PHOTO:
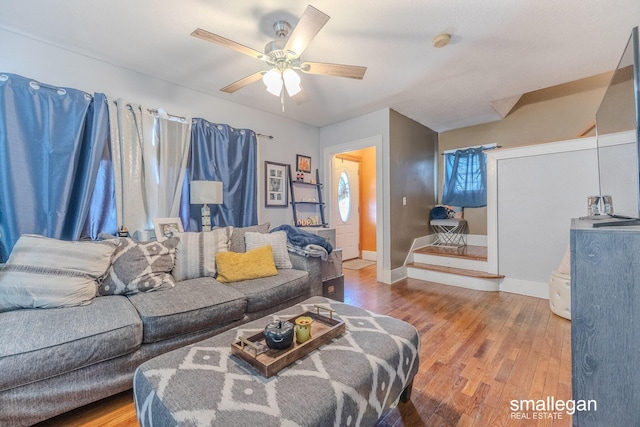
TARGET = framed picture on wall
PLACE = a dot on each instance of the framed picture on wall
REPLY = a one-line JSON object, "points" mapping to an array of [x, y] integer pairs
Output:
{"points": [[275, 181], [165, 227], [303, 163]]}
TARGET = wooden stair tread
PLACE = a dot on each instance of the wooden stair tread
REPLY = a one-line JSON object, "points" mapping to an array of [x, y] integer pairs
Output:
{"points": [[454, 270], [478, 253]]}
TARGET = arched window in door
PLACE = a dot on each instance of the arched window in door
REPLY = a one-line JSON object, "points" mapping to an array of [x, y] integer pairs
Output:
{"points": [[344, 197]]}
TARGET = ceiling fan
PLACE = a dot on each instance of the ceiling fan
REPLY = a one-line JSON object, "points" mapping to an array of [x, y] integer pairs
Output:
{"points": [[283, 57]]}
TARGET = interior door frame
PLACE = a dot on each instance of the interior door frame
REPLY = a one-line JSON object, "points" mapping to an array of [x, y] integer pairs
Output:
{"points": [[328, 154]]}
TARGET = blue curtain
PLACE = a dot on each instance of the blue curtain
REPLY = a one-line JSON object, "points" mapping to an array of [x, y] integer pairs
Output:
{"points": [[465, 180], [101, 217], [51, 142], [222, 153]]}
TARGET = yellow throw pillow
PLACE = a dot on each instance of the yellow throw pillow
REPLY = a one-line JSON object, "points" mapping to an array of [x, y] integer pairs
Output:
{"points": [[253, 264]]}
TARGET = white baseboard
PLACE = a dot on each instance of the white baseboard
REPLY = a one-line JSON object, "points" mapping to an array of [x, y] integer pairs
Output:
{"points": [[370, 255], [525, 287], [389, 277], [398, 274]]}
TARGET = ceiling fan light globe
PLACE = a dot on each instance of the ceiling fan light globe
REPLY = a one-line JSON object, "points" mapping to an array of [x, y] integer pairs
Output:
{"points": [[273, 81], [293, 90], [291, 81], [275, 89]]}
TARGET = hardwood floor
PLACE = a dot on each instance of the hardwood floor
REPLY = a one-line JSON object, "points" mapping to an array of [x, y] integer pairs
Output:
{"points": [[479, 351]]}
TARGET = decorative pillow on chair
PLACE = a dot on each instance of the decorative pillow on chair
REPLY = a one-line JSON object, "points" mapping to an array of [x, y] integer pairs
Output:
{"points": [[48, 273], [237, 237], [140, 267], [278, 242], [440, 212], [196, 252], [253, 264]]}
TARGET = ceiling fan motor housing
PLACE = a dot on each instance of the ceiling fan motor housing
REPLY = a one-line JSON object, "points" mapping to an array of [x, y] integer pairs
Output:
{"points": [[275, 50]]}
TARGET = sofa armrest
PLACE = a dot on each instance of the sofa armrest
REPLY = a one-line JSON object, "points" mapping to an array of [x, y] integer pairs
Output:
{"points": [[313, 267]]}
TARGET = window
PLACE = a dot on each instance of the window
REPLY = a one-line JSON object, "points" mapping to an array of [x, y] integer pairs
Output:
{"points": [[344, 197], [465, 178]]}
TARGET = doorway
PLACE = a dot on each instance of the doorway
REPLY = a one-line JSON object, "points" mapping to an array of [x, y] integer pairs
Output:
{"points": [[363, 203], [372, 208]]}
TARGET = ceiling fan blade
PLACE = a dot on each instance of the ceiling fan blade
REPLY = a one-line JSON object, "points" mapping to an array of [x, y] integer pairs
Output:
{"points": [[219, 40], [338, 70], [243, 82], [309, 25], [300, 97]]}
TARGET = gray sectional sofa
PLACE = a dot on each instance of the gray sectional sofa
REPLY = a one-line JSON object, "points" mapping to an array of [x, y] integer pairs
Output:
{"points": [[54, 360]]}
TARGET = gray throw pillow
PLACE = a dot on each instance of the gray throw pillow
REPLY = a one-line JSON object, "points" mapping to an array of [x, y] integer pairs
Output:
{"points": [[196, 252], [49, 273], [237, 238], [278, 242], [140, 267]]}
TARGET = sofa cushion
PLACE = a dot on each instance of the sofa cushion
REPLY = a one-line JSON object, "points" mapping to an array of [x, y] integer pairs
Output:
{"points": [[253, 264], [269, 291], [237, 237], [278, 242], [48, 273], [190, 306], [196, 252], [140, 267], [38, 344]]}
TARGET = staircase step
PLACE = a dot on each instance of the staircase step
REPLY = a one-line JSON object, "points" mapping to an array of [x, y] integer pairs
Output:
{"points": [[456, 271], [478, 253]]}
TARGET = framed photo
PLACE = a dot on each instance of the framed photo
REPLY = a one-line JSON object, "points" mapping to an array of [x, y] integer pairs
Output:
{"points": [[165, 227], [275, 181], [303, 163]]}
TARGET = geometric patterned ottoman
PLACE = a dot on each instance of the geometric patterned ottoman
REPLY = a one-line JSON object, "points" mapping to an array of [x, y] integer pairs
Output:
{"points": [[350, 381]]}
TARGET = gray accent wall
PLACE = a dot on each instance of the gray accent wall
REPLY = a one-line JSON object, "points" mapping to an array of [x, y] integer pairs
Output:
{"points": [[412, 161]]}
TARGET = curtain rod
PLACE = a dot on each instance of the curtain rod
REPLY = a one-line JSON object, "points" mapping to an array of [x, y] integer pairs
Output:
{"points": [[485, 146], [154, 111]]}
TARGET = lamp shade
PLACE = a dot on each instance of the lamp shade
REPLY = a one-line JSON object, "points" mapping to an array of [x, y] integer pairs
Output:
{"points": [[206, 192]]}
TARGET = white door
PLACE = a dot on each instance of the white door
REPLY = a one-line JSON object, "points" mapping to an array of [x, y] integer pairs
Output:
{"points": [[345, 196]]}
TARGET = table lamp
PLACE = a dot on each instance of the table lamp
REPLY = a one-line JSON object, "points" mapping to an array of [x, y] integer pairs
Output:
{"points": [[204, 193]]}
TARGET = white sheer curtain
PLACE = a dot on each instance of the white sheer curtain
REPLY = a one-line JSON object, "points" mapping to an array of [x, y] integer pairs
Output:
{"points": [[149, 153]]}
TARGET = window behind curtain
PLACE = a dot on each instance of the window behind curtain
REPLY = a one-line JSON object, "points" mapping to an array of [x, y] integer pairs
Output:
{"points": [[465, 178]]}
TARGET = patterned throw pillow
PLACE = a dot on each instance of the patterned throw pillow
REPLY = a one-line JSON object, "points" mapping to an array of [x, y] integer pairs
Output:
{"points": [[140, 267], [48, 273], [253, 264], [196, 252], [237, 237], [278, 242]]}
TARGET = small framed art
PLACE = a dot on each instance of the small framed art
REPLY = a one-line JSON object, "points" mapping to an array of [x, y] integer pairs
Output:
{"points": [[275, 179], [303, 163], [165, 227]]}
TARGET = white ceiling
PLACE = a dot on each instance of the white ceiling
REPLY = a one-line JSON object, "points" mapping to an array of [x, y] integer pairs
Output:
{"points": [[499, 49]]}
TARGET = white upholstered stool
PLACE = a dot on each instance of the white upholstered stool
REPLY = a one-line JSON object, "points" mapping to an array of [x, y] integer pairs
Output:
{"points": [[449, 232], [560, 294]]}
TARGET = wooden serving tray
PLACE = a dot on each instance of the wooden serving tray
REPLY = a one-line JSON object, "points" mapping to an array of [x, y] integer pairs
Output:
{"points": [[268, 362]]}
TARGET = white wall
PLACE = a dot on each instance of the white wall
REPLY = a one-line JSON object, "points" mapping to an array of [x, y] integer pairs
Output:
{"points": [[533, 192], [53, 65]]}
